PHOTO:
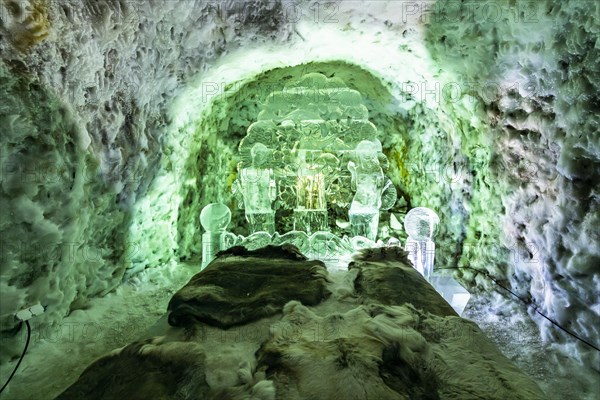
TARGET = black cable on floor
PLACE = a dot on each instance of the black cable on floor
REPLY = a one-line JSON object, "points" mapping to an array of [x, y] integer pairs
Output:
{"points": [[528, 303], [22, 355]]}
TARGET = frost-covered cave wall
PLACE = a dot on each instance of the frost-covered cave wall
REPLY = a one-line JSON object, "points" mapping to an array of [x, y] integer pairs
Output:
{"points": [[538, 71], [101, 82], [85, 87]]}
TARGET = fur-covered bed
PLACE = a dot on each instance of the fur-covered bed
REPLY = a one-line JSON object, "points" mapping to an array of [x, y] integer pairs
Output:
{"points": [[270, 324]]}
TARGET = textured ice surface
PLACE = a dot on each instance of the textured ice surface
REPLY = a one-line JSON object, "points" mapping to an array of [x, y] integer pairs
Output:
{"points": [[543, 132], [451, 291], [258, 189], [85, 89]]}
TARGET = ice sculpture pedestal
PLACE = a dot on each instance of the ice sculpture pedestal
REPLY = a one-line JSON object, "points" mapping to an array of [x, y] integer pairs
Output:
{"points": [[421, 253], [214, 218], [452, 291], [211, 244], [420, 224]]}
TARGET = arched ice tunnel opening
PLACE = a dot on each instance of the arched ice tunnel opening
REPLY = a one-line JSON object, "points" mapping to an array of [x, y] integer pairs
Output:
{"points": [[122, 120]]}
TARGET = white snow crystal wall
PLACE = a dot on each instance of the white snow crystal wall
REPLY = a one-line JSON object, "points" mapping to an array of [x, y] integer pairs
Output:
{"points": [[84, 90], [114, 136], [541, 99]]}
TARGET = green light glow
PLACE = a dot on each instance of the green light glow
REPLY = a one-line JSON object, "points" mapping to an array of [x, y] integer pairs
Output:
{"points": [[433, 146]]}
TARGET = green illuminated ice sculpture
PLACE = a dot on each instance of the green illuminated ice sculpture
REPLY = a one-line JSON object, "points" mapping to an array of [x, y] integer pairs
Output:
{"points": [[256, 184], [313, 148], [370, 184]]}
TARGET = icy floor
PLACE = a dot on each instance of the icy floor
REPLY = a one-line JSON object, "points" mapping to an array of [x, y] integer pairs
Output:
{"points": [[559, 376], [57, 356]]}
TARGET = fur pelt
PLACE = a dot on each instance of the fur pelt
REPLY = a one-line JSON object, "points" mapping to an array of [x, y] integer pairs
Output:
{"points": [[383, 334], [392, 253], [241, 286], [285, 251], [385, 276], [379, 352], [152, 369]]}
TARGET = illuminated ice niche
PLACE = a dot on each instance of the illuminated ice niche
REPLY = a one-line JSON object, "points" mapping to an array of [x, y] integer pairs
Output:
{"points": [[313, 151], [310, 213]]}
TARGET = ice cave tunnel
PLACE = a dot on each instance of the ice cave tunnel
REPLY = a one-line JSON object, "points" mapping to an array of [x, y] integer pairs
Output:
{"points": [[273, 199]]}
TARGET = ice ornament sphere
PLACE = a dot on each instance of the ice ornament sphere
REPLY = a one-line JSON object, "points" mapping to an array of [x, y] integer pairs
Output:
{"points": [[420, 223], [215, 217]]}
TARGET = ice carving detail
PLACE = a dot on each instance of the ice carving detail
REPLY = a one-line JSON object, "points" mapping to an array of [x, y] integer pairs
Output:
{"points": [[368, 181], [420, 225], [307, 131], [257, 187]]}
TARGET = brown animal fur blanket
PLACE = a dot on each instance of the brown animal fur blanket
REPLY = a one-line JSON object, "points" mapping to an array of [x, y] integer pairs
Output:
{"points": [[272, 325]]}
